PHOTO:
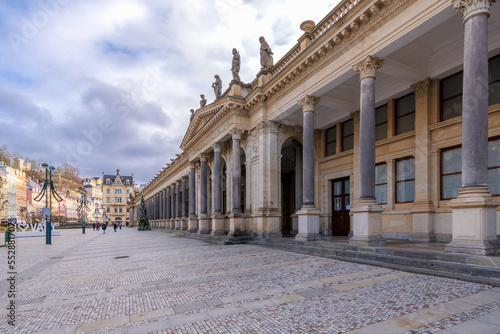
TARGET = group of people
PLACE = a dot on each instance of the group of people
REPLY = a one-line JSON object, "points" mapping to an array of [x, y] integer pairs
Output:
{"points": [[98, 226]]}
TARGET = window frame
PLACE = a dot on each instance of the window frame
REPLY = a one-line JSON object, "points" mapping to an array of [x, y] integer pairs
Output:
{"points": [[396, 117], [334, 128], [441, 171], [381, 184], [351, 135], [396, 179], [379, 124]]}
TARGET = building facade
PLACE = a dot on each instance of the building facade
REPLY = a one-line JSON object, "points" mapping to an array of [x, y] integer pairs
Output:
{"points": [[382, 122], [116, 190]]}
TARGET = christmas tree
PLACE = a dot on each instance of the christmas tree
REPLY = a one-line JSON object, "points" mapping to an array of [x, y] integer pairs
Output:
{"points": [[143, 224]]}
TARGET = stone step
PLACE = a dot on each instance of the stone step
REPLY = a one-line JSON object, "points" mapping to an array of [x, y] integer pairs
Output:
{"points": [[456, 266]]}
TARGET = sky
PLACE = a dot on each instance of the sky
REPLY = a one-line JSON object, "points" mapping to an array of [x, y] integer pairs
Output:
{"points": [[107, 84]]}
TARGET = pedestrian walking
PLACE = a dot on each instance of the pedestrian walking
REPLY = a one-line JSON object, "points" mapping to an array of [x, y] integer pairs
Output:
{"points": [[104, 228], [115, 226], [93, 226], [120, 225], [98, 226]]}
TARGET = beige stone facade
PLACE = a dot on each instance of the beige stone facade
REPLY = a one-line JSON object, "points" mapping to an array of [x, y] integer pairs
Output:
{"points": [[261, 128], [116, 191]]}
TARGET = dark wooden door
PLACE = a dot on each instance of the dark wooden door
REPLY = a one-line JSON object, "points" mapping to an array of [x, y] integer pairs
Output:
{"points": [[341, 205]]}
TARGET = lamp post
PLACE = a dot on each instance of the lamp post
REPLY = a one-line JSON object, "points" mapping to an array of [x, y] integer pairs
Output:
{"points": [[49, 191], [83, 207]]}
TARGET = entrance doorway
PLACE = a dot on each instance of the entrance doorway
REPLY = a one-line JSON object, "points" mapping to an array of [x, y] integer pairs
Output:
{"points": [[341, 206]]}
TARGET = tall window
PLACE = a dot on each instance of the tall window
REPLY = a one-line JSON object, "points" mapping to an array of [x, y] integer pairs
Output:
{"points": [[118, 199], [405, 113], [108, 181], [107, 209], [494, 81], [381, 122], [405, 180], [107, 191], [107, 199], [451, 172], [331, 141], [128, 191], [494, 166], [127, 182], [118, 191], [381, 183], [347, 135], [452, 87]]}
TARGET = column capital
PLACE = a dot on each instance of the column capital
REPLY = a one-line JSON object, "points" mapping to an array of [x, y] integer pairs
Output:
{"points": [[421, 87], [192, 164], [355, 116], [203, 157], [178, 182], [168, 188], [307, 102], [368, 67], [236, 133], [185, 178], [471, 8], [216, 147]]}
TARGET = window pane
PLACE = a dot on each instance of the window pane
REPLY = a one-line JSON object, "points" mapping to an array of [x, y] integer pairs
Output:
{"points": [[381, 174], [494, 153], [337, 188], [405, 105], [494, 181], [452, 108], [381, 131], [452, 161], [451, 185], [494, 70], [330, 148], [348, 143], [452, 86], [337, 204], [381, 114], [405, 169], [331, 134], [348, 128], [405, 191], [347, 186], [381, 193], [347, 202], [405, 123], [494, 93]]}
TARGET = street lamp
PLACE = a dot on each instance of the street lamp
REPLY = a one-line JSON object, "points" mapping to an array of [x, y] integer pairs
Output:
{"points": [[83, 207], [49, 191]]}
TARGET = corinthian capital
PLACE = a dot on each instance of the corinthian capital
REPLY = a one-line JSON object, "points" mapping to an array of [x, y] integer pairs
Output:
{"points": [[368, 67], [236, 133], [471, 8], [307, 103], [216, 147], [421, 87]]}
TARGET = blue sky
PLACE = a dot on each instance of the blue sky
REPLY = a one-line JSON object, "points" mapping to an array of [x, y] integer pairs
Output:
{"points": [[102, 84]]}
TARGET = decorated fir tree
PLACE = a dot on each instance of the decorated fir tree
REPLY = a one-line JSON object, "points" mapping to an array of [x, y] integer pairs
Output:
{"points": [[143, 224]]}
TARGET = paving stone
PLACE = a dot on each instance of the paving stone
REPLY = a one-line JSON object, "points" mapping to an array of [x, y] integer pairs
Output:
{"points": [[474, 326]]}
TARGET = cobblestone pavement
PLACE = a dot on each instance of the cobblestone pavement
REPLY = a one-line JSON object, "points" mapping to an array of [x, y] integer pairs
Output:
{"points": [[153, 282]]}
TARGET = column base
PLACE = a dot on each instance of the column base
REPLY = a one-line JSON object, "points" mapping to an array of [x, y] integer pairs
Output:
{"points": [[172, 224], [218, 224], [204, 224], [308, 219], [184, 224], [193, 224], [474, 219], [367, 224], [178, 224], [295, 224], [236, 225]]}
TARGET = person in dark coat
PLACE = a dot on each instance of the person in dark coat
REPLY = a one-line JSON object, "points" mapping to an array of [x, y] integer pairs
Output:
{"points": [[115, 226], [104, 228]]}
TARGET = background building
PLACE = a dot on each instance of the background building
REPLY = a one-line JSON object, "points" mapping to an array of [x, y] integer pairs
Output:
{"points": [[116, 190]]}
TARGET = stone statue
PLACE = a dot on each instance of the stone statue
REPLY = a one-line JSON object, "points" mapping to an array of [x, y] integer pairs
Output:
{"points": [[192, 116], [266, 55], [235, 66], [203, 101], [217, 85]]}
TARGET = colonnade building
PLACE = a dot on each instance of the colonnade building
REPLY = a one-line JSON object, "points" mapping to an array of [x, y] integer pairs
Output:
{"points": [[382, 122]]}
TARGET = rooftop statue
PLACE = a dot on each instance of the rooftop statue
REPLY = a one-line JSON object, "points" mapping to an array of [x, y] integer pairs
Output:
{"points": [[235, 66], [266, 55], [217, 85], [192, 116], [203, 101]]}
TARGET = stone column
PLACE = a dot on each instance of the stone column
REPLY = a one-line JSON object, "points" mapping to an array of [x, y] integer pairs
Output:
{"points": [[172, 206], [217, 216], [298, 188], [178, 204], [423, 207], [308, 214], [162, 200], [367, 214], [167, 205], [193, 219], [236, 222], [184, 213], [474, 210], [204, 220]]}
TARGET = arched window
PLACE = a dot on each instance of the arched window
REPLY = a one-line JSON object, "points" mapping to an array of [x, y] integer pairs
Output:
{"points": [[108, 181]]}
